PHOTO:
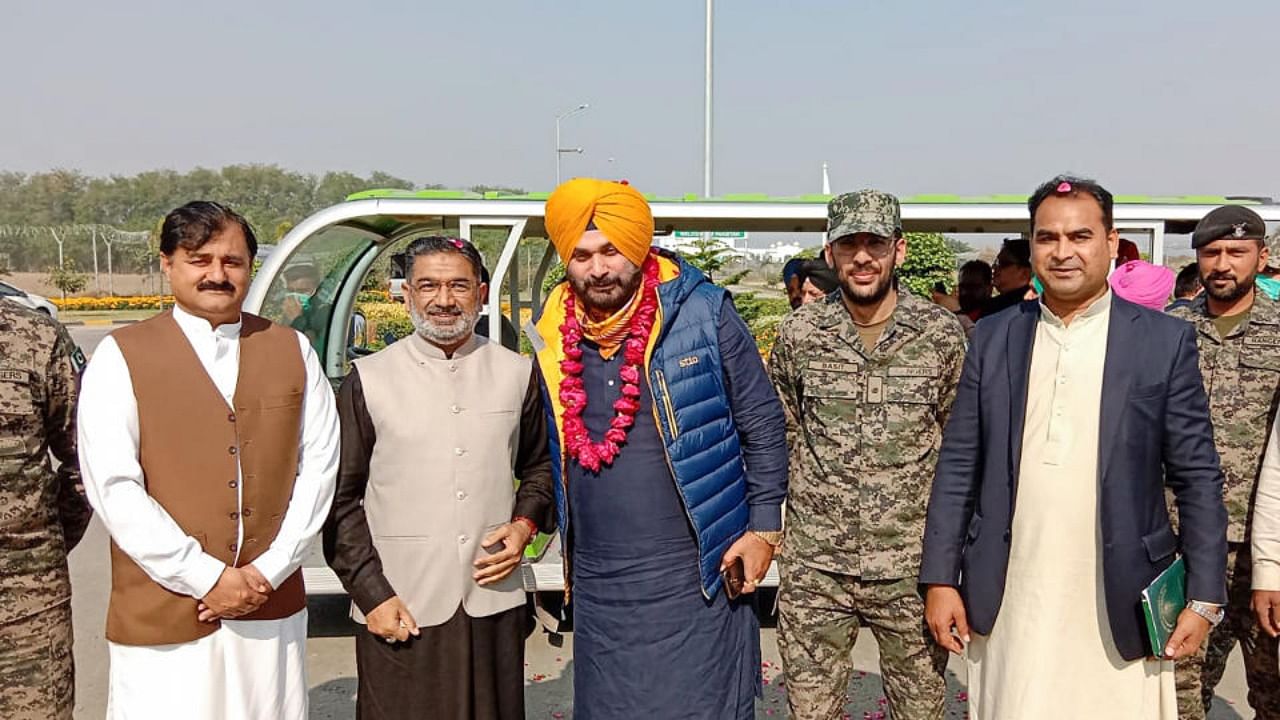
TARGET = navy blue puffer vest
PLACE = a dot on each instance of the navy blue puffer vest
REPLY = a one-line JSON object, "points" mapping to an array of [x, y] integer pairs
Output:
{"points": [[687, 383]]}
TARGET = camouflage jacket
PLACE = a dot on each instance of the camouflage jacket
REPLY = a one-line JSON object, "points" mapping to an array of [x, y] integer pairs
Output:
{"points": [[43, 513], [1242, 378], [864, 431]]}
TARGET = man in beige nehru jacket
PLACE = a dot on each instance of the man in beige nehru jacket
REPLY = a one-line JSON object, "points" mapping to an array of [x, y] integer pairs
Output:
{"points": [[427, 526]]}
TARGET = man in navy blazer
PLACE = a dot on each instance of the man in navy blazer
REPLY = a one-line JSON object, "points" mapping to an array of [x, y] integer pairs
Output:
{"points": [[1153, 431]]}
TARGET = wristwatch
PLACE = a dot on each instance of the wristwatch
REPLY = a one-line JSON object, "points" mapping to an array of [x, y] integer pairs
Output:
{"points": [[1212, 613], [773, 537]]}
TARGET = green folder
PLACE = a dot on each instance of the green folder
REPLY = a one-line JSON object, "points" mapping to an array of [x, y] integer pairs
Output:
{"points": [[1162, 602]]}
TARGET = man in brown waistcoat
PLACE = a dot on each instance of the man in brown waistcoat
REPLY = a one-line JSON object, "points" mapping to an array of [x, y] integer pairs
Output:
{"points": [[208, 442], [427, 526]]}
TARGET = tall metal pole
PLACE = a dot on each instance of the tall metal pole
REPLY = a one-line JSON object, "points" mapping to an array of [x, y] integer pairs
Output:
{"points": [[559, 150], [706, 137], [97, 279]]}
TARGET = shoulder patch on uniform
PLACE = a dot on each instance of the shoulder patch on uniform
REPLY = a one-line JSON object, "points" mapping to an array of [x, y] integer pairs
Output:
{"points": [[78, 360]]}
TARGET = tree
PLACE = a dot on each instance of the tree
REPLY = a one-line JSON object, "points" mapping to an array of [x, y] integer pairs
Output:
{"points": [[929, 260], [67, 278], [380, 179], [482, 189], [334, 188], [708, 255], [958, 247], [282, 229], [269, 196]]}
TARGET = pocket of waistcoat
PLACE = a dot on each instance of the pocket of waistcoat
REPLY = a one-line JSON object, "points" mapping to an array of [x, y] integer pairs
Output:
{"points": [[272, 402]]}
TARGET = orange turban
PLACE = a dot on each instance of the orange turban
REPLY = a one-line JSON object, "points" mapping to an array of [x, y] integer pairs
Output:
{"points": [[617, 210]]}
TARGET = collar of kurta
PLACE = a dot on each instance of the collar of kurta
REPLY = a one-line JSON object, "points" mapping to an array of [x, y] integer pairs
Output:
{"points": [[194, 326], [426, 351], [1097, 308]]}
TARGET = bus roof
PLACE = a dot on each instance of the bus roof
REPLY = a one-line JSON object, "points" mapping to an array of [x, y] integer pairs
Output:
{"points": [[387, 212], [919, 199]]}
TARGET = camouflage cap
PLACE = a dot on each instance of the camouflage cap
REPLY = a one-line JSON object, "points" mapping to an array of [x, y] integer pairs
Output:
{"points": [[1273, 250], [864, 211]]}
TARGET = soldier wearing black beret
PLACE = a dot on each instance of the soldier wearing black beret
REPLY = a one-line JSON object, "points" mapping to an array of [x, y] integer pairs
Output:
{"points": [[1236, 222]]}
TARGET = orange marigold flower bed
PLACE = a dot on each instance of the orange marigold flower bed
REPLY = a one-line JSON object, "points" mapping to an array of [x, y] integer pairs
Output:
{"points": [[134, 302]]}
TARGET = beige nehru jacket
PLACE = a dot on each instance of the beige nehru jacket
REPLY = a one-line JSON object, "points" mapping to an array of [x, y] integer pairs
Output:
{"points": [[440, 475]]}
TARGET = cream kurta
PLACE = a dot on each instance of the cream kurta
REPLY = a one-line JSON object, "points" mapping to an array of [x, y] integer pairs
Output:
{"points": [[1051, 653]]}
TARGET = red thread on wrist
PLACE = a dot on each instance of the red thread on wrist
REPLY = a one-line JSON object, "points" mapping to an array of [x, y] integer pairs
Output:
{"points": [[533, 527]]}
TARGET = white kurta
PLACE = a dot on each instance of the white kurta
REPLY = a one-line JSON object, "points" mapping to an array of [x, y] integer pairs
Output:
{"points": [[1051, 653], [247, 669], [1266, 518]]}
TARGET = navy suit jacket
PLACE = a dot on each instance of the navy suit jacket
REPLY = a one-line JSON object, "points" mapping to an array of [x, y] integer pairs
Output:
{"points": [[1155, 431]]}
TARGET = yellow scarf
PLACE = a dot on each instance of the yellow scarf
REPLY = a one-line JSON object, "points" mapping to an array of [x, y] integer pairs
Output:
{"points": [[611, 332]]}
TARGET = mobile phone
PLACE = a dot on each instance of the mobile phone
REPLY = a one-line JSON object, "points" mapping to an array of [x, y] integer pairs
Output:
{"points": [[734, 577]]}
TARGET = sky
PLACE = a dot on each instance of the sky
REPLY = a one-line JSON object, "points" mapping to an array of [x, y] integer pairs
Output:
{"points": [[911, 96]]}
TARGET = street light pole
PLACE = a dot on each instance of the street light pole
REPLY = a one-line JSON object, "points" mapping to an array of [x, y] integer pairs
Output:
{"points": [[561, 150], [706, 125]]}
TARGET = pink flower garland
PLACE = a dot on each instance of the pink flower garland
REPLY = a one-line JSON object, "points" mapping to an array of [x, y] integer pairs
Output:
{"points": [[573, 394]]}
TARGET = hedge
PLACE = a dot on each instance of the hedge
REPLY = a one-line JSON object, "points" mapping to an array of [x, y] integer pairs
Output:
{"points": [[135, 302]]}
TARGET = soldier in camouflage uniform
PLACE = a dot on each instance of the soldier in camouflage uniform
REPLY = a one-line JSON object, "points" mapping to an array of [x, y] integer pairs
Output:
{"points": [[1238, 335], [43, 514], [867, 377]]}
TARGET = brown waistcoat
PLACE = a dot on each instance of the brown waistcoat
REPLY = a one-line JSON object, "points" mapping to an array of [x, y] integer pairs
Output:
{"points": [[188, 445]]}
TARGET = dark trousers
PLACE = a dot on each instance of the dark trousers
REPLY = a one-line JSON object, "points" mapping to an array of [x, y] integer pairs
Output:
{"points": [[466, 669]]}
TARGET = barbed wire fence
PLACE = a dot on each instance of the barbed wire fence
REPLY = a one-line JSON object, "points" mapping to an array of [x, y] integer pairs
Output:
{"points": [[110, 236]]}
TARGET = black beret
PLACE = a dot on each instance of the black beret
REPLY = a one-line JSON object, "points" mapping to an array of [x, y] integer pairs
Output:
{"points": [[1229, 221]]}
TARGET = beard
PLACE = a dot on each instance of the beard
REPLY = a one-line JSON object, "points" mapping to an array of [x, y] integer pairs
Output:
{"points": [[1236, 290], [463, 324], [862, 295], [609, 294]]}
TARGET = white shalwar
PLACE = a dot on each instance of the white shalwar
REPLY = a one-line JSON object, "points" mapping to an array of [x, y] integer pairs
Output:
{"points": [[247, 670]]}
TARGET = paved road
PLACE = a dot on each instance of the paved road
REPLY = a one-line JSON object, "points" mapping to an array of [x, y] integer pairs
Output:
{"points": [[88, 336], [548, 672]]}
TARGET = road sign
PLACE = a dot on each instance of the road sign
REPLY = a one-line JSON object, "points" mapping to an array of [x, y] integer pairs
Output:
{"points": [[727, 235]]}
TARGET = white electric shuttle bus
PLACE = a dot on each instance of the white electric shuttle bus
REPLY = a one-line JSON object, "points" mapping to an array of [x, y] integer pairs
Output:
{"points": [[342, 242]]}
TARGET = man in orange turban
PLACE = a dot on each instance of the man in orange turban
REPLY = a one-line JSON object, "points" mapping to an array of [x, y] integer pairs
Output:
{"points": [[615, 209], [670, 461]]}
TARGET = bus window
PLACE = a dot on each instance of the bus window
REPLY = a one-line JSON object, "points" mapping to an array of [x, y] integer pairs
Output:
{"points": [[395, 283], [304, 292]]}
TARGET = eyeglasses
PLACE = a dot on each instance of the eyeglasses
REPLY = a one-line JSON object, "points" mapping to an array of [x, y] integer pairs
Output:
{"points": [[875, 246], [456, 287]]}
